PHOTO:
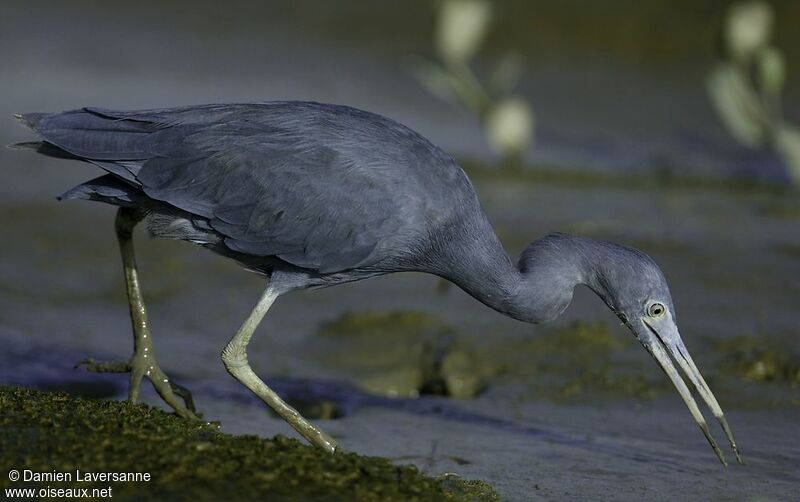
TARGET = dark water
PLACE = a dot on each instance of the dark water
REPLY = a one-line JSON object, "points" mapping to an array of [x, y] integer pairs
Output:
{"points": [[732, 259]]}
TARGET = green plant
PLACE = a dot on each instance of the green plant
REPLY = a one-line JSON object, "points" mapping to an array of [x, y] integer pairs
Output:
{"points": [[745, 86], [506, 118]]}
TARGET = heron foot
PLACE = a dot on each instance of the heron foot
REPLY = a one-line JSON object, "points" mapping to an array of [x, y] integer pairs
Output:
{"points": [[141, 365]]}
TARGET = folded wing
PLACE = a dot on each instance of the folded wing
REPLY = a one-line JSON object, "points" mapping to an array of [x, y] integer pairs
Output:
{"points": [[272, 182]]}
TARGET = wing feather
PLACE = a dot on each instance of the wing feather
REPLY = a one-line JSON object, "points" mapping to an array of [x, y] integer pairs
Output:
{"points": [[320, 186]]}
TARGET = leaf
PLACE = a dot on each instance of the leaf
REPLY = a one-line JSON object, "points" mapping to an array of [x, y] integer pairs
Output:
{"points": [[737, 105], [771, 71], [436, 79], [456, 85], [787, 144]]}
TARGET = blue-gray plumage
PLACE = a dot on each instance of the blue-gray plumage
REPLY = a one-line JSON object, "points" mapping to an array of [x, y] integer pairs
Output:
{"points": [[314, 195]]}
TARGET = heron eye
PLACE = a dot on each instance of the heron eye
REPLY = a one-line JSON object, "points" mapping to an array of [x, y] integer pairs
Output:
{"points": [[656, 310]]}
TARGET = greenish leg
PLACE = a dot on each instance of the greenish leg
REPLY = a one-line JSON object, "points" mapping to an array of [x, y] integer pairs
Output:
{"points": [[234, 356], [143, 362]]}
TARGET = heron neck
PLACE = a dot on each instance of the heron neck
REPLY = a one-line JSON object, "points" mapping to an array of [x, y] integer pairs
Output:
{"points": [[539, 289]]}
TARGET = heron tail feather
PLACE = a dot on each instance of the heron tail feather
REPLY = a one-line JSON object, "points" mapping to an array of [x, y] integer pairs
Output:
{"points": [[45, 148], [31, 120]]}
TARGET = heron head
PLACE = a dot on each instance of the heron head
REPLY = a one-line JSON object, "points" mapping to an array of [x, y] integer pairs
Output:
{"points": [[634, 287]]}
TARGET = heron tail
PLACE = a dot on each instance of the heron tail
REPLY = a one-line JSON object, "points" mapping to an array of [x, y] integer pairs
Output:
{"points": [[44, 148], [118, 145], [31, 120]]}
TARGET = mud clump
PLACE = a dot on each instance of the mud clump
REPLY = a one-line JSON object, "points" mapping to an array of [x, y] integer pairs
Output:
{"points": [[402, 354], [580, 361], [187, 460], [759, 359], [411, 353]]}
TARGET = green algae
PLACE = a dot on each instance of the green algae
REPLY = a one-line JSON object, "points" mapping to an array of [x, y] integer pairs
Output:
{"points": [[47, 432], [586, 361], [755, 371], [582, 361], [759, 359]]}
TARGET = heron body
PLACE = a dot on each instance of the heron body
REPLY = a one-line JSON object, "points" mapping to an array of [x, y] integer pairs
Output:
{"points": [[314, 195]]}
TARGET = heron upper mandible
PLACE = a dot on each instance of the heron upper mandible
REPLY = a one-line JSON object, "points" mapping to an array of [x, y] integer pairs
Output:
{"points": [[314, 195]]}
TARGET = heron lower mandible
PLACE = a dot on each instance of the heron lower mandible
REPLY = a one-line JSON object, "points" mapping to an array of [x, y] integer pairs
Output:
{"points": [[314, 195]]}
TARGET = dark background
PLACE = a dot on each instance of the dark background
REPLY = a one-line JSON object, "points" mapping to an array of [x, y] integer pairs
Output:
{"points": [[618, 92]]}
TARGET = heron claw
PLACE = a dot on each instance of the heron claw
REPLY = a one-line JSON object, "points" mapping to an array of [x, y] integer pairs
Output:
{"points": [[184, 393]]}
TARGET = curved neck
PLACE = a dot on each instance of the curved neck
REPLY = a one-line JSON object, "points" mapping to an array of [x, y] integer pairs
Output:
{"points": [[540, 288]]}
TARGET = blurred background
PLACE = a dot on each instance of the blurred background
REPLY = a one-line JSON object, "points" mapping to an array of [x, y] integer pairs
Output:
{"points": [[671, 126]]}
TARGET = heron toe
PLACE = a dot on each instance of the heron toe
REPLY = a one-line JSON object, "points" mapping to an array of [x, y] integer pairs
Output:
{"points": [[143, 364], [103, 366], [148, 367]]}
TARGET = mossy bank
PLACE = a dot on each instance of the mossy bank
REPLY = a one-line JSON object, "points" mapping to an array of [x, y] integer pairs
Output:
{"points": [[56, 432]]}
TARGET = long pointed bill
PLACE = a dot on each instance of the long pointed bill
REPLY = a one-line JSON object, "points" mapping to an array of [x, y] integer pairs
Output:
{"points": [[687, 364], [656, 349], [666, 339]]}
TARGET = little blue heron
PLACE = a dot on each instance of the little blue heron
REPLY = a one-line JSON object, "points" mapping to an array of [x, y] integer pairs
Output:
{"points": [[314, 195]]}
